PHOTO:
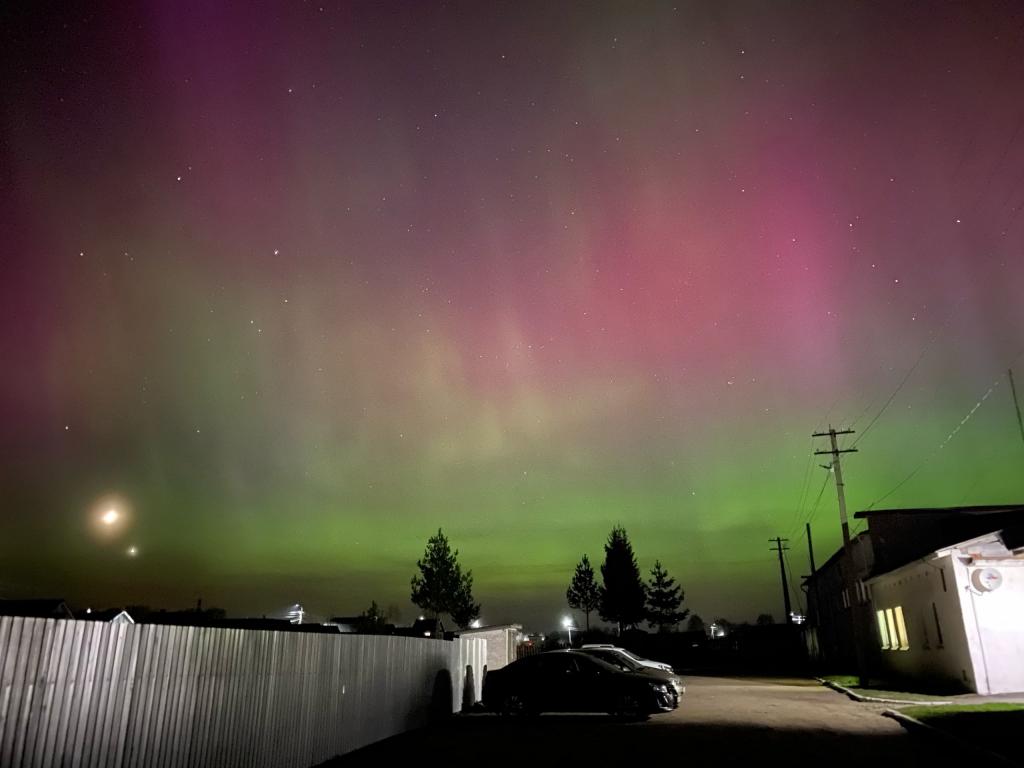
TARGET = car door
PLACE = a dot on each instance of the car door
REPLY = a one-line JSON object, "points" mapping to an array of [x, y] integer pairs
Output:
{"points": [[594, 685], [556, 683]]}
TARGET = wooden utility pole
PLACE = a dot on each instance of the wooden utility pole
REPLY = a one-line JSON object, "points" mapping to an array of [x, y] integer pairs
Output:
{"points": [[1013, 389], [811, 616], [849, 577], [782, 571], [837, 470]]}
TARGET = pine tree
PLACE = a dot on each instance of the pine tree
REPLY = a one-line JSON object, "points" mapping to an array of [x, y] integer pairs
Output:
{"points": [[463, 610], [441, 586], [664, 597], [583, 593], [372, 619], [623, 595]]}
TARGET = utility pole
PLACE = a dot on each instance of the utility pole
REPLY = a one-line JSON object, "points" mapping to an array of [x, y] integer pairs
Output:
{"points": [[1013, 389], [810, 548], [812, 615], [837, 470], [849, 577], [782, 571]]}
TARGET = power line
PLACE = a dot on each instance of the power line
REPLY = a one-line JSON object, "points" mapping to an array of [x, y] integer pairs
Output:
{"points": [[1016, 404], [817, 501], [895, 392], [806, 481], [813, 510], [941, 445]]}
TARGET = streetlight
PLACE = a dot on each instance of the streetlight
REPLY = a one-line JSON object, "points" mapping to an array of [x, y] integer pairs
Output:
{"points": [[567, 623]]}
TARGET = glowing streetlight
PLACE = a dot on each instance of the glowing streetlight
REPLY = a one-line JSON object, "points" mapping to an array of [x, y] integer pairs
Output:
{"points": [[567, 623], [109, 517], [133, 551]]}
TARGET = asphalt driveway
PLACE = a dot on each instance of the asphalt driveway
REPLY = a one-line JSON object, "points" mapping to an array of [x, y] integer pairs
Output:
{"points": [[726, 720]]}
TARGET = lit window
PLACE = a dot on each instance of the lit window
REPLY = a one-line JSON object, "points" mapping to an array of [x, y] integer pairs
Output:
{"points": [[901, 628], [890, 622], [883, 631]]}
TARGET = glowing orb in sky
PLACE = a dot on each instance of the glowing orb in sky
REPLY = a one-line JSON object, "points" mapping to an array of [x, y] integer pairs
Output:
{"points": [[109, 517]]}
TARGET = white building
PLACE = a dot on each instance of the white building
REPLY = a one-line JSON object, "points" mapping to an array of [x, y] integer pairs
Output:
{"points": [[956, 615], [502, 642]]}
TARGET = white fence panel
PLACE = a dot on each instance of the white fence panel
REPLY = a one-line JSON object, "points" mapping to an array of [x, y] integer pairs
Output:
{"points": [[79, 693]]}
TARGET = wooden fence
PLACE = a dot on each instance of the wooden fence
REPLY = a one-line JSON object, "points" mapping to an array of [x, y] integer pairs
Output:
{"points": [[81, 693]]}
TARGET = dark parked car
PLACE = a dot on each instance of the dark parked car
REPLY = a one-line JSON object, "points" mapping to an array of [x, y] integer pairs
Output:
{"points": [[570, 681], [625, 663]]}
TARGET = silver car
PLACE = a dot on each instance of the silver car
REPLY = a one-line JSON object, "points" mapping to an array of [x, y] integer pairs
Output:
{"points": [[622, 659]]}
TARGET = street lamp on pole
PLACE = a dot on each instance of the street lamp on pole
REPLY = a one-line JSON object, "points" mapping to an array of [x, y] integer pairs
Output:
{"points": [[567, 623]]}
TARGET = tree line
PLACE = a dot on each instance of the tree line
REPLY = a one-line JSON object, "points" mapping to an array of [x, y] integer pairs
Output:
{"points": [[622, 597]]}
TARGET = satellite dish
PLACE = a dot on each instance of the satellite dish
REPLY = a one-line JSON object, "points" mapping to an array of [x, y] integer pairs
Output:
{"points": [[987, 579]]}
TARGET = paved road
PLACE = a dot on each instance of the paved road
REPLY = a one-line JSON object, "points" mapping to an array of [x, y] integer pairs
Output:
{"points": [[723, 719]]}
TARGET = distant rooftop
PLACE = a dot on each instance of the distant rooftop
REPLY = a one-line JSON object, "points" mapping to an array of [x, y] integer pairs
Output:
{"points": [[44, 608]]}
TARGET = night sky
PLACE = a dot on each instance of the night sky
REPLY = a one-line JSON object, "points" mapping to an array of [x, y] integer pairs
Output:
{"points": [[291, 286]]}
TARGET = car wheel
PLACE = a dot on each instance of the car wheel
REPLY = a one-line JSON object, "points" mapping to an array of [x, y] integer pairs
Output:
{"points": [[514, 704], [628, 707]]}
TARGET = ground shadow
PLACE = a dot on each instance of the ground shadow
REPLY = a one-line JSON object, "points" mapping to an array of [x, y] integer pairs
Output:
{"points": [[603, 740], [441, 697]]}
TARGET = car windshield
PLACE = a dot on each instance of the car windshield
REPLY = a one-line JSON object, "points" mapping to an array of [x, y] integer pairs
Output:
{"points": [[595, 663], [617, 660], [632, 656]]}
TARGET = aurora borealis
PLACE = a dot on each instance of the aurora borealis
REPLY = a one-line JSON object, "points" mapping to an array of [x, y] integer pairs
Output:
{"points": [[299, 283]]}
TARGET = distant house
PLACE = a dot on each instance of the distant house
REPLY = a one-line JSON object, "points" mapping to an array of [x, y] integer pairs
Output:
{"points": [[109, 615], [938, 595], [272, 625], [46, 608], [427, 628], [346, 624], [359, 625]]}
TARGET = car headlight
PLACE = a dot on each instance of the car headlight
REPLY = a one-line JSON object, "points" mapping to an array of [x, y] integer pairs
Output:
{"points": [[661, 687]]}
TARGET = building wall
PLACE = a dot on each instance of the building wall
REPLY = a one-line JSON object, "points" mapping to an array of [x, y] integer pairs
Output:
{"points": [[501, 645], [995, 626], [829, 630], [916, 588], [92, 693], [982, 644]]}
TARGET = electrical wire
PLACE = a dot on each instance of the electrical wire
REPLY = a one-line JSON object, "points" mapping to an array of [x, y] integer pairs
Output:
{"points": [[956, 430]]}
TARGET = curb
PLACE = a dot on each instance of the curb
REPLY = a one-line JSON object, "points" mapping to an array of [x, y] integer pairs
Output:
{"points": [[913, 725], [875, 700]]}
